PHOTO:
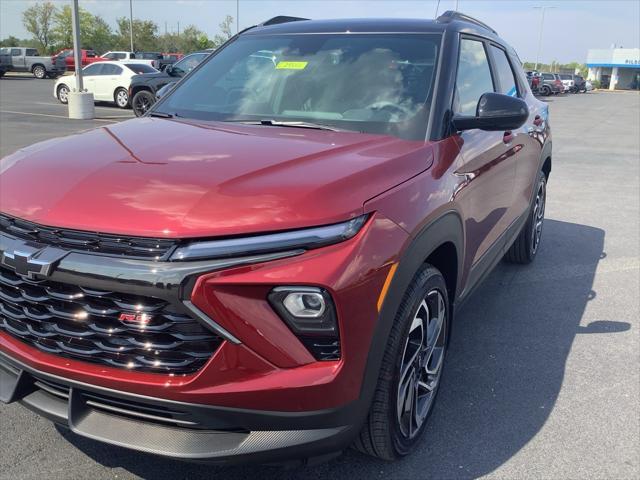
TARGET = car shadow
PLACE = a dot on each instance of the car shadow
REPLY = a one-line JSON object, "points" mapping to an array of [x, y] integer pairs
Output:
{"points": [[503, 375]]}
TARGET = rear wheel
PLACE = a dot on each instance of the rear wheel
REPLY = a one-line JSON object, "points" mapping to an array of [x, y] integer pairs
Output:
{"points": [[142, 101], [63, 94], [39, 72], [545, 90], [411, 369], [526, 246], [121, 97]]}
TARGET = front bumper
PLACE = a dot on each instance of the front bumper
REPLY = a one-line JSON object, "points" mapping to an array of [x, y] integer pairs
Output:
{"points": [[162, 427]]}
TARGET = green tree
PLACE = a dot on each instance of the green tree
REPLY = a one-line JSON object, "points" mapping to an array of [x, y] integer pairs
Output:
{"points": [[144, 35], [100, 37], [38, 20], [11, 41], [226, 33], [63, 27], [193, 39]]}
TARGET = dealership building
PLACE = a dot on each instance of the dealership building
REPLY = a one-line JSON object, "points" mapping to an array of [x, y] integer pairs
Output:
{"points": [[615, 68]]}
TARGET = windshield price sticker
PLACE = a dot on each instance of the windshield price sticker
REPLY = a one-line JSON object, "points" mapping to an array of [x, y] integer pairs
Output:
{"points": [[291, 65]]}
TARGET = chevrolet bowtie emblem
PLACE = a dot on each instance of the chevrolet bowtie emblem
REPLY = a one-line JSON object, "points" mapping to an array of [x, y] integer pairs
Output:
{"points": [[29, 259]]}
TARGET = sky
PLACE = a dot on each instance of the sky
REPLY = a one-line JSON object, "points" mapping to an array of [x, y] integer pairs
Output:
{"points": [[571, 27]]}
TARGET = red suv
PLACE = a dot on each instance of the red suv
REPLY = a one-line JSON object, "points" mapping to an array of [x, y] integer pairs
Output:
{"points": [[266, 266]]}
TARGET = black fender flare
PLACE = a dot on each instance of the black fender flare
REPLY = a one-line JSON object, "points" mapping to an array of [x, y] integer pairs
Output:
{"points": [[447, 228]]}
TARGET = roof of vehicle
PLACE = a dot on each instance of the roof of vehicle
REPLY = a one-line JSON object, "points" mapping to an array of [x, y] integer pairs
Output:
{"points": [[448, 21]]}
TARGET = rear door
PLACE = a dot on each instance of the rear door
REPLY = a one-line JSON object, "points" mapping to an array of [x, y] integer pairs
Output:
{"points": [[109, 80], [17, 58], [526, 148], [90, 75], [488, 163]]}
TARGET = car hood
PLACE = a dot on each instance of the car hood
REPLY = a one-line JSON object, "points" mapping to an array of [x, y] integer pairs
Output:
{"points": [[169, 178]]}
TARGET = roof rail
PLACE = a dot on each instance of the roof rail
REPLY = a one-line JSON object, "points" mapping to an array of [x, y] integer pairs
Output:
{"points": [[451, 15], [281, 19]]}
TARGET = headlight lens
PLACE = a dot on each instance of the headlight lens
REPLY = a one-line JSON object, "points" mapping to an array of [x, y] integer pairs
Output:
{"points": [[305, 239]]}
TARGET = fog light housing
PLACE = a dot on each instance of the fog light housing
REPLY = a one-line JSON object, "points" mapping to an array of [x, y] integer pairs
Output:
{"points": [[311, 315], [307, 310]]}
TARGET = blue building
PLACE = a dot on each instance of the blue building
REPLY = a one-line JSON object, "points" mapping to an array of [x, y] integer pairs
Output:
{"points": [[615, 68]]}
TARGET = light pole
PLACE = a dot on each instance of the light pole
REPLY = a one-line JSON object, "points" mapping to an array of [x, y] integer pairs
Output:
{"points": [[543, 9], [79, 103], [237, 16], [131, 23]]}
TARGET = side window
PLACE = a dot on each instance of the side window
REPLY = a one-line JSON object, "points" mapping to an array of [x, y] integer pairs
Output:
{"points": [[16, 52], [110, 56], [92, 70], [32, 52], [504, 72], [473, 78]]}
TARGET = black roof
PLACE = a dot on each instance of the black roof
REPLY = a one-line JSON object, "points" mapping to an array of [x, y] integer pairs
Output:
{"points": [[447, 21]]}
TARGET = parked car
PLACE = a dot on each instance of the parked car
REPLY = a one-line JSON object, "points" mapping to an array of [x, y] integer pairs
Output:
{"points": [[267, 265], [551, 84], [170, 59], [25, 59], [588, 86], [144, 87], [5, 63], [65, 60], [128, 56], [567, 80], [108, 81], [579, 84]]}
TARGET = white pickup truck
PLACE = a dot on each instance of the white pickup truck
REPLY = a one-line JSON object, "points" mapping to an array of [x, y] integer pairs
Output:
{"points": [[122, 56]]}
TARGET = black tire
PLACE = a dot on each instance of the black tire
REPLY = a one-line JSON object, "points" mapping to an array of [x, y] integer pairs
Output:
{"points": [[527, 244], [142, 101], [384, 433], [545, 90], [63, 94], [39, 72], [121, 98]]}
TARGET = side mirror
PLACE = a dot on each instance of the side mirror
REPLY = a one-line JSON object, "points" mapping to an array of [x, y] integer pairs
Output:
{"points": [[495, 112], [168, 70]]}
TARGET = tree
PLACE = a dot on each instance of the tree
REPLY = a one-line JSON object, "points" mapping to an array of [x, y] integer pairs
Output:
{"points": [[225, 28], [144, 34], [11, 41], [38, 21], [100, 37], [193, 39], [63, 29]]}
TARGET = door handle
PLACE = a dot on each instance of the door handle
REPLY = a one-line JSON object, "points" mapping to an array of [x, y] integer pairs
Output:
{"points": [[537, 121], [507, 137]]}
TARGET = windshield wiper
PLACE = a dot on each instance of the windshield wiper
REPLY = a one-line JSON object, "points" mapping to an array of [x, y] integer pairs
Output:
{"points": [[292, 124], [160, 114]]}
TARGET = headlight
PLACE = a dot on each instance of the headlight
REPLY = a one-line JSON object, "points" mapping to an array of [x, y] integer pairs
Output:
{"points": [[304, 239]]}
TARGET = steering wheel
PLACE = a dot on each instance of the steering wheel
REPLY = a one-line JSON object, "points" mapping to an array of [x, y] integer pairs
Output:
{"points": [[386, 105]]}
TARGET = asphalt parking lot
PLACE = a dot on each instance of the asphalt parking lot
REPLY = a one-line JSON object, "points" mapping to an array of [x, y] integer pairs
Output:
{"points": [[542, 379]]}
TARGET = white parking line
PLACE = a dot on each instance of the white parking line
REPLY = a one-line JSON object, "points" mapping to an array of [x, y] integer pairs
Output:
{"points": [[59, 116]]}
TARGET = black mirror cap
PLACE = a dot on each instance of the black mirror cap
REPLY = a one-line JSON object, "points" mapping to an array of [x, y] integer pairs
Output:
{"points": [[495, 111]]}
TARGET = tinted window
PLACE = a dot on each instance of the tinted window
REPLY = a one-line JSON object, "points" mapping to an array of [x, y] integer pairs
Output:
{"points": [[140, 68], [32, 52], [92, 69], [362, 82], [548, 76], [16, 52], [188, 63], [108, 69], [91, 53], [504, 72], [474, 77], [566, 77]]}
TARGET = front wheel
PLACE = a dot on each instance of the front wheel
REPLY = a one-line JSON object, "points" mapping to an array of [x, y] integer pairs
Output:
{"points": [[526, 246], [142, 101], [545, 91], [411, 369], [121, 97], [63, 94], [39, 72]]}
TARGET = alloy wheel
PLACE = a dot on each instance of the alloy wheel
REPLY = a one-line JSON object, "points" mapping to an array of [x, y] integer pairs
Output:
{"points": [[122, 98], [538, 216], [39, 72], [142, 104], [421, 365], [63, 94]]}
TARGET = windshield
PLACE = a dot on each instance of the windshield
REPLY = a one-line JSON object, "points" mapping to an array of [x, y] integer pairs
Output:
{"points": [[367, 83]]}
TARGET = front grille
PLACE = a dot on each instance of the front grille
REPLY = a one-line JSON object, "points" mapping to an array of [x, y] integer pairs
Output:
{"points": [[120, 330], [132, 247]]}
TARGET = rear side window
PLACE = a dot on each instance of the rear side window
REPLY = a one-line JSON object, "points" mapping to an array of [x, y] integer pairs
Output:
{"points": [[140, 68], [32, 52], [548, 76], [473, 78], [504, 72], [16, 52], [109, 69], [92, 69]]}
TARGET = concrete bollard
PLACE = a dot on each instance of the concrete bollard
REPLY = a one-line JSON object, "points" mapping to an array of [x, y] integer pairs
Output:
{"points": [[81, 106]]}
